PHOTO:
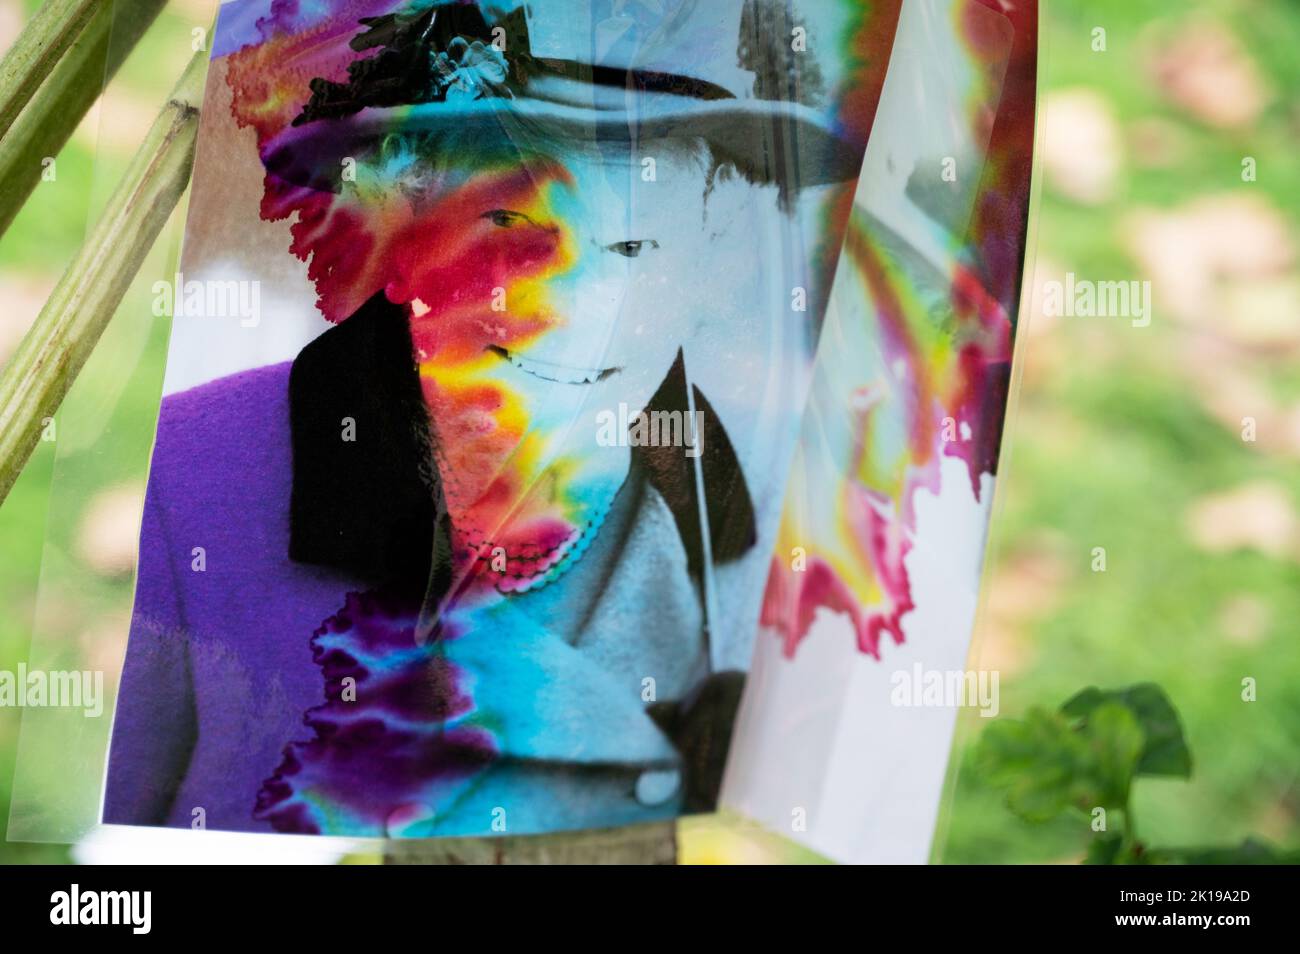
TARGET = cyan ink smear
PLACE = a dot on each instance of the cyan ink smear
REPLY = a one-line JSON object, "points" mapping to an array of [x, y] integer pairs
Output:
{"points": [[395, 736]]}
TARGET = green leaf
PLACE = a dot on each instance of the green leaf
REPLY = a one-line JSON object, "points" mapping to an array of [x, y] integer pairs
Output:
{"points": [[1114, 741], [1164, 750], [1047, 765], [1035, 760]]}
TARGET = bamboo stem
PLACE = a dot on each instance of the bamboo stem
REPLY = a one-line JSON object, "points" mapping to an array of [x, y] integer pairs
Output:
{"points": [[60, 103], [57, 345], [33, 55]]}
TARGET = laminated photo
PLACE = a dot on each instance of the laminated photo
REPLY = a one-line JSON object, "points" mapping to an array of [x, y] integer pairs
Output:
{"points": [[518, 349]]}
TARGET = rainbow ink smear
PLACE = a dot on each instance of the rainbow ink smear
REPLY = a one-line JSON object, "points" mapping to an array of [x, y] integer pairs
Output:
{"points": [[929, 373]]}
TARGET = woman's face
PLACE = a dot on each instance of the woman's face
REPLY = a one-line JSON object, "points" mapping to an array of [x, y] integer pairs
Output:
{"points": [[542, 292], [539, 296], [564, 280]]}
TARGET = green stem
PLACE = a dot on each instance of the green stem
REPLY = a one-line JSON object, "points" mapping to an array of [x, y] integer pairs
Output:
{"points": [[57, 345], [1130, 830], [60, 103], [41, 44]]}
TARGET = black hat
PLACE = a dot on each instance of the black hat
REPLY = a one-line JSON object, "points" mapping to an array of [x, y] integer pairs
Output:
{"points": [[515, 76]]}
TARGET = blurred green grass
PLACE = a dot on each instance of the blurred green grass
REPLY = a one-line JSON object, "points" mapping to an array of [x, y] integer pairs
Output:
{"points": [[1113, 445]]}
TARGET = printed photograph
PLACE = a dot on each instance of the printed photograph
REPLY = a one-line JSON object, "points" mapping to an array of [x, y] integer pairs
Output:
{"points": [[653, 432]]}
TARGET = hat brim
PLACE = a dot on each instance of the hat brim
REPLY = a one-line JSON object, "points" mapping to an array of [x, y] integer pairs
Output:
{"points": [[789, 144]]}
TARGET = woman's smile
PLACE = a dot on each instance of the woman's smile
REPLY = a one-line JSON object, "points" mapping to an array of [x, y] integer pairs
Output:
{"points": [[550, 371]]}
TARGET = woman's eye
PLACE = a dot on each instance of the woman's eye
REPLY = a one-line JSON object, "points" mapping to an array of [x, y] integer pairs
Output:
{"points": [[505, 218], [632, 249]]}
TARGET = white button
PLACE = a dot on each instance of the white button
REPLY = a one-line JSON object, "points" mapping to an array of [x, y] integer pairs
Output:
{"points": [[657, 786]]}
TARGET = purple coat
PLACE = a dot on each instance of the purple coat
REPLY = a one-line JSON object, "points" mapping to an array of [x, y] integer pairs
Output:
{"points": [[220, 611]]}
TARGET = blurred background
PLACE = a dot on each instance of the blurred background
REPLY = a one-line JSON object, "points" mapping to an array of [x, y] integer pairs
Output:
{"points": [[1122, 437]]}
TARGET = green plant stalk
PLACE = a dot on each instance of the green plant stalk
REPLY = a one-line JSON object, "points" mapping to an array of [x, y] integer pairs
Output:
{"points": [[42, 128], [41, 44], [1130, 829], [57, 345]]}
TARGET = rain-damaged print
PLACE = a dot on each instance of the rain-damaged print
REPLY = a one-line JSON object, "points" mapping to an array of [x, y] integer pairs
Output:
{"points": [[518, 223], [494, 503]]}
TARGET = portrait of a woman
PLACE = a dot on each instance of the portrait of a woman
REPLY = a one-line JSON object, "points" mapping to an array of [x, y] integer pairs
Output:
{"points": [[405, 584]]}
